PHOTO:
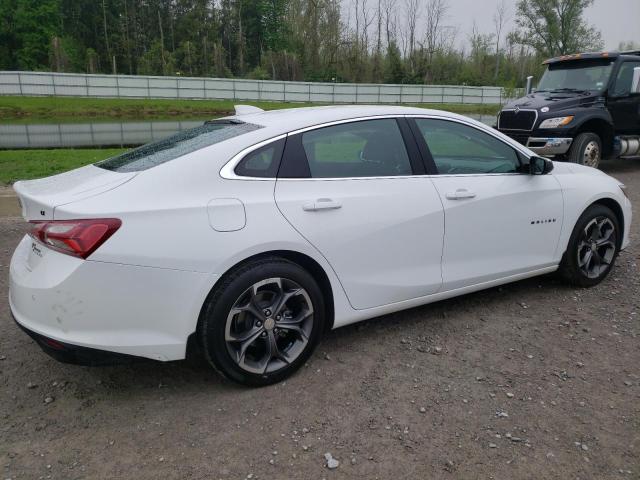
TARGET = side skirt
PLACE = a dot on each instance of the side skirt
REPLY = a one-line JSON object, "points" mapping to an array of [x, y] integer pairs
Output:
{"points": [[358, 315]]}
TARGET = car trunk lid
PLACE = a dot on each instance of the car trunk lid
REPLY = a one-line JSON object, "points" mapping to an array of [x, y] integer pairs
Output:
{"points": [[39, 198]]}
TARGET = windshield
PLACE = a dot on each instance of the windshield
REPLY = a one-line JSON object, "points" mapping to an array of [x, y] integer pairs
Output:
{"points": [[176, 146], [576, 76]]}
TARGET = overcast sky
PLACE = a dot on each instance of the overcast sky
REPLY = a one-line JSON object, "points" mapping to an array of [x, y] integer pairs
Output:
{"points": [[617, 20]]}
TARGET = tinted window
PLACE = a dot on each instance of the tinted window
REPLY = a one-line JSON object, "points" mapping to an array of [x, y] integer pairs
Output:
{"points": [[170, 148], [371, 148], [459, 149], [622, 86], [262, 162]]}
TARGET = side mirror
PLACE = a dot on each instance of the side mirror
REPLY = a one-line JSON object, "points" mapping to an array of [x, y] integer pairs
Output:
{"points": [[540, 166], [529, 88], [635, 83]]}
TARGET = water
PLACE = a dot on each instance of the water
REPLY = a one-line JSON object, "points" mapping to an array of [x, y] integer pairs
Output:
{"points": [[105, 134]]}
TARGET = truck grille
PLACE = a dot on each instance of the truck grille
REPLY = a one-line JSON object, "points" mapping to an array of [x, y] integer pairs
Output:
{"points": [[522, 120]]}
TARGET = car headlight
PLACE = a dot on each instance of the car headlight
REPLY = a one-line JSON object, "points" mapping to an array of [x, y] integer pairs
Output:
{"points": [[556, 122]]}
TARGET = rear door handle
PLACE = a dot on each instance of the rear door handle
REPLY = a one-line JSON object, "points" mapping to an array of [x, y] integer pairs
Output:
{"points": [[321, 204], [460, 194]]}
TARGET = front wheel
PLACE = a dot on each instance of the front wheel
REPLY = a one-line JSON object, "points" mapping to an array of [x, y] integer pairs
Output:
{"points": [[593, 247], [586, 150], [262, 322]]}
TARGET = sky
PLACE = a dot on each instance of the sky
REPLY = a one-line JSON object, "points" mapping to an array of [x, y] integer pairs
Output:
{"points": [[617, 20]]}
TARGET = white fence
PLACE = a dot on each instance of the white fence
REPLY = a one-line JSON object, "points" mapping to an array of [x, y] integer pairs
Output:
{"points": [[127, 86], [97, 134]]}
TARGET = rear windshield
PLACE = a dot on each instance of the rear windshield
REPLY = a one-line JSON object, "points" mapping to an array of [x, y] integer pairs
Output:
{"points": [[156, 153]]}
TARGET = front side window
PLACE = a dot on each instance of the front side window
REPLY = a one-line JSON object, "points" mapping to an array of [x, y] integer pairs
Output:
{"points": [[460, 149], [622, 85], [175, 146], [370, 148]]}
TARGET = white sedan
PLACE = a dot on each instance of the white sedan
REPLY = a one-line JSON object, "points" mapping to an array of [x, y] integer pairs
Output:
{"points": [[249, 236]]}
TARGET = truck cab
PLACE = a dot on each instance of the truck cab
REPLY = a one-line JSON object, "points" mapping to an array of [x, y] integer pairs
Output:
{"points": [[586, 107]]}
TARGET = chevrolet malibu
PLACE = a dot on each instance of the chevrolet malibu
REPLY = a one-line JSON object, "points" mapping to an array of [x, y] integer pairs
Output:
{"points": [[248, 237]]}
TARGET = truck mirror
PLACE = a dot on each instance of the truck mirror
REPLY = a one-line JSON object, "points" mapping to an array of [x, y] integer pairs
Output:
{"points": [[529, 87], [635, 83]]}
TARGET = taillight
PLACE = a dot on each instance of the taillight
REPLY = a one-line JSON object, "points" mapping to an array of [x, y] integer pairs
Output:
{"points": [[79, 238]]}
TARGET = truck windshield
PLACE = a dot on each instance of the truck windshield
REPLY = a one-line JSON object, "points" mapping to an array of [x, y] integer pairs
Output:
{"points": [[581, 75]]}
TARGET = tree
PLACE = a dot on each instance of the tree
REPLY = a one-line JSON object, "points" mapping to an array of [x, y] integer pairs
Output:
{"points": [[434, 36], [500, 18], [556, 27], [35, 26]]}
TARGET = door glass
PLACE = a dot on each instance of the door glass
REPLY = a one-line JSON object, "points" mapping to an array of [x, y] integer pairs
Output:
{"points": [[371, 148], [622, 87], [460, 149]]}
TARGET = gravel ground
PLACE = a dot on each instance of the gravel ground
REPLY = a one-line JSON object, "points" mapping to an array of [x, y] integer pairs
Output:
{"points": [[531, 380]]}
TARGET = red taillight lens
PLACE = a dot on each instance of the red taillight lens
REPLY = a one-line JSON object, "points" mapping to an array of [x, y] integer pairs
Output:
{"points": [[79, 238]]}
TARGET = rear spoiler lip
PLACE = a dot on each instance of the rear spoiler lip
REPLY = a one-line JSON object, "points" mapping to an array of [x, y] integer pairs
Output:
{"points": [[25, 199], [35, 207]]}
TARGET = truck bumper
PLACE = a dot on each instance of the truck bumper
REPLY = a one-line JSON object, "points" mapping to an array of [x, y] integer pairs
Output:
{"points": [[549, 146]]}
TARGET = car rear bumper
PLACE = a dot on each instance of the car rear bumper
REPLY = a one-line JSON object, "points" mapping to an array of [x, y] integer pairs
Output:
{"points": [[114, 308], [75, 354]]}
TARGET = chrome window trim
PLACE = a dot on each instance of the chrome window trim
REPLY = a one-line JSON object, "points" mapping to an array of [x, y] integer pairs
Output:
{"points": [[483, 128], [533, 126], [228, 170]]}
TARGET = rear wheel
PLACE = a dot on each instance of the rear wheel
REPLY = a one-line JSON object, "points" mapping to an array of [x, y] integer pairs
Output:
{"points": [[593, 247], [586, 150], [262, 322]]}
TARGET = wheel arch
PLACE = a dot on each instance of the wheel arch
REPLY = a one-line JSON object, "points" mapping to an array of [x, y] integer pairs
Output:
{"points": [[602, 128], [301, 259], [616, 208]]}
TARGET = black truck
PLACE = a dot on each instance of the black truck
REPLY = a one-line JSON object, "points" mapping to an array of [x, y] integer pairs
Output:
{"points": [[586, 107]]}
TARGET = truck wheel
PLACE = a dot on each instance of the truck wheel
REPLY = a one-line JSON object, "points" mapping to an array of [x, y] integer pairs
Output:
{"points": [[586, 150]]}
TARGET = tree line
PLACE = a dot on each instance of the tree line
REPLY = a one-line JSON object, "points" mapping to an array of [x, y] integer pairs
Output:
{"points": [[391, 41]]}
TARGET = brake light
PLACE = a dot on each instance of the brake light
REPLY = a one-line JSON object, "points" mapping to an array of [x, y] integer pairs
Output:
{"points": [[79, 238]]}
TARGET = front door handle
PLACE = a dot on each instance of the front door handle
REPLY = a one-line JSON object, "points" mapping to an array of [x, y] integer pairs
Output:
{"points": [[460, 194], [321, 204]]}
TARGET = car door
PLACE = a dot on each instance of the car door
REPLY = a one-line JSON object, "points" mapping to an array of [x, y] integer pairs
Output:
{"points": [[498, 221], [350, 190], [624, 107]]}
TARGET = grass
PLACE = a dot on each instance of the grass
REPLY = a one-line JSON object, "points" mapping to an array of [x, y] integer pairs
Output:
{"points": [[61, 109], [27, 164]]}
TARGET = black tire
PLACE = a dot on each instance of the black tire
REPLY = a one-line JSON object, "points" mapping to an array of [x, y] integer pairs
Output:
{"points": [[216, 315], [580, 244], [586, 149]]}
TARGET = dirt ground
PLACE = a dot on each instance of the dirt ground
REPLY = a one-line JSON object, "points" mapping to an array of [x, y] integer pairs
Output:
{"points": [[534, 380]]}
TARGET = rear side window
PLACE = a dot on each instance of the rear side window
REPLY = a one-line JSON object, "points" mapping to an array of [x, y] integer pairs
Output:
{"points": [[262, 162], [460, 149], [370, 148], [157, 153]]}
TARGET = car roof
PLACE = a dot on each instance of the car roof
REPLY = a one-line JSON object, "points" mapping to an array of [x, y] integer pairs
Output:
{"points": [[291, 119]]}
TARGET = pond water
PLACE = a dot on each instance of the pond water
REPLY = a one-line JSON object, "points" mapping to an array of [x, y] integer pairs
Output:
{"points": [[105, 134]]}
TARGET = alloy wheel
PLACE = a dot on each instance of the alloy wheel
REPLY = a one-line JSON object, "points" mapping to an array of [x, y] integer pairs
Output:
{"points": [[596, 247], [269, 325]]}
